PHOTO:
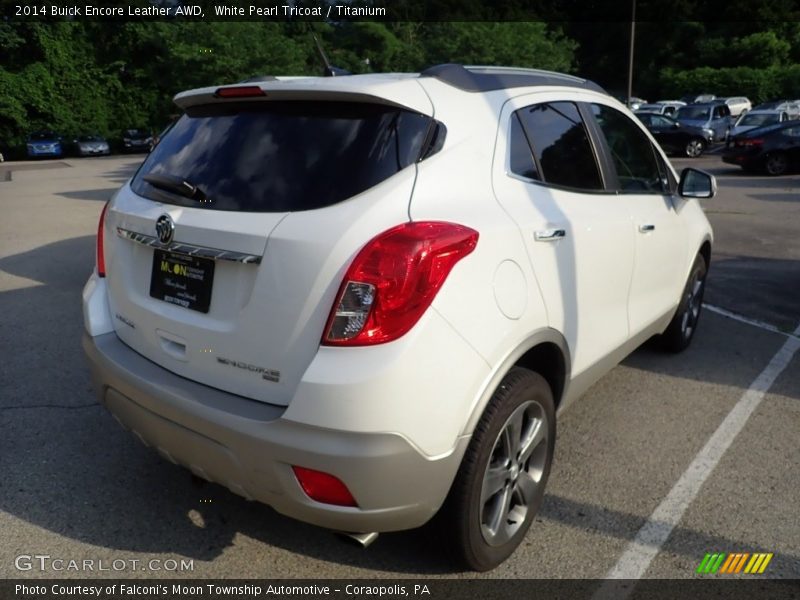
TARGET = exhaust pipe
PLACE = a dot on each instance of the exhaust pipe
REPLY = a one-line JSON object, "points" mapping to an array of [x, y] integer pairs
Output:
{"points": [[363, 540]]}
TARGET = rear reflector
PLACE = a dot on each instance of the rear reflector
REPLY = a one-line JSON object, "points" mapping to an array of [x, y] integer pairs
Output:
{"points": [[100, 258], [246, 91], [393, 280], [323, 487]]}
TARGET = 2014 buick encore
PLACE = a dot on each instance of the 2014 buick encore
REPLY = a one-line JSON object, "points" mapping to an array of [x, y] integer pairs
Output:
{"points": [[364, 300]]}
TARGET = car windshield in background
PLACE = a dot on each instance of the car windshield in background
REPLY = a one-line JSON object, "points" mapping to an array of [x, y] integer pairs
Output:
{"points": [[136, 133], [283, 156], [693, 112], [758, 120], [90, 138]]}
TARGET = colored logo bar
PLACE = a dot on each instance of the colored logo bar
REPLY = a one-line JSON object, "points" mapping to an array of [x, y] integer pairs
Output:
{"points": [[735, 562]]}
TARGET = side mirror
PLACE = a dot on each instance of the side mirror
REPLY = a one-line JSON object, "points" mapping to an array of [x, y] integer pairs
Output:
{"points": [[697, 184]]}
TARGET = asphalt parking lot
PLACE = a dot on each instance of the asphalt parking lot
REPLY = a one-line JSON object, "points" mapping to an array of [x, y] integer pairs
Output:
{"points": [[75, 486]]}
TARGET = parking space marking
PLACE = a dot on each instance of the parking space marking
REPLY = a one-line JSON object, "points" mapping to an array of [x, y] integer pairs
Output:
{"points": [[748, 321], [654, 533]]}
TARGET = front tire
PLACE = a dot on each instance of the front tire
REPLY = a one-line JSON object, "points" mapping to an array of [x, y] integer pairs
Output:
{"points": [[500, 484], [694, 148], [681, 330]]}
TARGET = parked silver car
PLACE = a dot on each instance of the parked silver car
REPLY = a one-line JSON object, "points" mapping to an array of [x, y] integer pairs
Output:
{"points": [[713, 117], [738, 105], [662, 108]]}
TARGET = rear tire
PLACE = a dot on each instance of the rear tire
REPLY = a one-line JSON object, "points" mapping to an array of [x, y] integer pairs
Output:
{"points": [[500, 485], [776, 163], [681, 330]]}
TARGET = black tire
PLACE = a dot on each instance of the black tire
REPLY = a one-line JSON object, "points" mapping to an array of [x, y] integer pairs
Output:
{"points": [[524, 400], [776, 163], [694, 147], [681, 330]]}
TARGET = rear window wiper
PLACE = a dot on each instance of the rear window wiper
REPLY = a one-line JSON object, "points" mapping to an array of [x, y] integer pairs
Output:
{"points": [[177, 185]]}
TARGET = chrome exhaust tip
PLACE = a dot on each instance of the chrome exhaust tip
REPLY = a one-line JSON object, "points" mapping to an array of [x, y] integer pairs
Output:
{"points": [[363, 540]]}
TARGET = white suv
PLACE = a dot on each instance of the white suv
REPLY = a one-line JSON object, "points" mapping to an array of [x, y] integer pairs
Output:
{"points": [[362, 300]]}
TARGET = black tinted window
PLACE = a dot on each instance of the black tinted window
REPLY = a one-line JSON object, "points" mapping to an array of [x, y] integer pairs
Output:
{"points": [[521, 156], [283, 156], [561, 145], [631, 151]]}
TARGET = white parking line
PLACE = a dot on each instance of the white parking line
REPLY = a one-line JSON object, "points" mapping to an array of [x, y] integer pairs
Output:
{"points": [[651, 537], [748, 321]]}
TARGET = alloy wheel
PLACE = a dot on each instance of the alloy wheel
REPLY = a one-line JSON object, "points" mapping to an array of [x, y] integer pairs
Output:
{"points": [[694, 299], [694, 148], [513, 478]]}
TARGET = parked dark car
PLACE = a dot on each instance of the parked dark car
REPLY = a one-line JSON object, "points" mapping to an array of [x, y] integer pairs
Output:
{"points": [[137, 140], [774, 150], [44, 144], [674, 137], [91, 145]]}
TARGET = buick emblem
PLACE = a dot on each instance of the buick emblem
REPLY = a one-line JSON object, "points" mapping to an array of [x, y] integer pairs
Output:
{"points": [[165, 229]]}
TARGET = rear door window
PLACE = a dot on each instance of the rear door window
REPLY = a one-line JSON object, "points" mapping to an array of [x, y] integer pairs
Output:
{"points": [[281, 156]]}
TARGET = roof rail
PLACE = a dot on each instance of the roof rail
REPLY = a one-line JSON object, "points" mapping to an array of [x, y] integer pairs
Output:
{"points": [[485, 79]]}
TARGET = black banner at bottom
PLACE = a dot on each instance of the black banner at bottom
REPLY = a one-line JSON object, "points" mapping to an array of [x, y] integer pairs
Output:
{"points": [[386, 589]]}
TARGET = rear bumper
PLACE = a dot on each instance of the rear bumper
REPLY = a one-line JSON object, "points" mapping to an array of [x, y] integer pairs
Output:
{"points": [[738, 159], [250, 446]]}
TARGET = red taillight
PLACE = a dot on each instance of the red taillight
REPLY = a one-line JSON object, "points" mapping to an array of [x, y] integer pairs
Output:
{"points": [[750, 142], [246, 91], [393, 280], [324, 487], [100, 258]]}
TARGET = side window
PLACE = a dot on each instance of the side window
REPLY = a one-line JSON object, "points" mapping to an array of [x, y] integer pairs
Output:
{"points": [[521, 155], [561, 145], [669, 110], [631, 152], [661, 122]]}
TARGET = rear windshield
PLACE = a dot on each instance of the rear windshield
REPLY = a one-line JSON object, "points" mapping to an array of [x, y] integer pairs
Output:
{"points": [[758, 120], [283, 156]]}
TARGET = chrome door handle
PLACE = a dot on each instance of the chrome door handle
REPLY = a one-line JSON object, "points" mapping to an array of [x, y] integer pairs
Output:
{"points": [[646, 228], [549, 235]]}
